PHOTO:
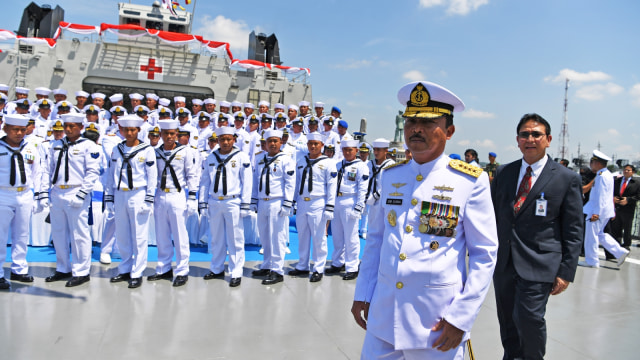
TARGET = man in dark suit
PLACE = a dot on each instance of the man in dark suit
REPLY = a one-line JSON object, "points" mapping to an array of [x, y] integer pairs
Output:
{"points": [[626, 192], [538, 206]]}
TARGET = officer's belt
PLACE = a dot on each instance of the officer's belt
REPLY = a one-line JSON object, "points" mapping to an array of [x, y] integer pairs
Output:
{"points": [[345, 194], [271, 198], [13, 188], [132, 189], [170, 190], [312, 197], [67, 186], [226, 197]]}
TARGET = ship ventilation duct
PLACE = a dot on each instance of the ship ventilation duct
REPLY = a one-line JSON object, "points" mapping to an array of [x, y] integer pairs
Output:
{"points": [[40, 21]]}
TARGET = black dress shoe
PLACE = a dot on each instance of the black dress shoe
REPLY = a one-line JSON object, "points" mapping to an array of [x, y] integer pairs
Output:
{"points": [[350, 275], [121, 277], [167, 276], [315, 277], [22, 277], [4, 284], [273, 278], [57, 276], [235, 282], [212, 275], [135, 282], [77, 280], [180, 280], [261, 272], [296, 272], [334, 269]]}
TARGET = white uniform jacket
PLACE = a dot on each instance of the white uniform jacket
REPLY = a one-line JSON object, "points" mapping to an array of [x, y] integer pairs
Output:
{"points": [[601, 196], [227, 176], [353, 179], [274, 178], [322, 175], [142, 162], [31, 162], [177, 169]]}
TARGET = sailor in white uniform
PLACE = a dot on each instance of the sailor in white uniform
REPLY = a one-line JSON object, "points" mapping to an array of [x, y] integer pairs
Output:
{"points": [[176, 172], [70, 172], [144, 113], [376, 168], [183, 115], [225, 188], [130, 192], [316, 177], [273, 189], [21, 94], [19, 173], [41, 93], [414, 290], [351, 189]]}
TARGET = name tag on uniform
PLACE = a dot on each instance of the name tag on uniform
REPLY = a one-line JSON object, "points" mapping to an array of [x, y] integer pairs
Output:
{"points": [[394, 201], [541, 207]]}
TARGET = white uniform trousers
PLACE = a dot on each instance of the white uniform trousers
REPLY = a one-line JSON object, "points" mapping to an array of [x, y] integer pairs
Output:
{"points": [[70, 228], [132, 231], [251, 235], [272, 234], [15, 214], [170, 212], [364, 221], [346, 243], [375, 348], [108, 233], [594, 235], [40, 230], [227, 234], [310, 224]]}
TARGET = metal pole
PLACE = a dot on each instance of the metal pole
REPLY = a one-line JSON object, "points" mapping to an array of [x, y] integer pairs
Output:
{"points": [[193, 16], [471, 356]]}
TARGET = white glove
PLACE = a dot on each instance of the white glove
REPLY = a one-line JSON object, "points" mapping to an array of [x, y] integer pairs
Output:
{"points": [[110, 209], [76, 202], [253, 208], [327, 215], [354, 215], [146, 207], [371, 201], [245, 213], [192, 207], [38, 206], [284, 212]]}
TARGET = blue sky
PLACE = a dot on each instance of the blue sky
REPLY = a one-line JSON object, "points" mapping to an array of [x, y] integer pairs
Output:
{"points": [[503, 58]]}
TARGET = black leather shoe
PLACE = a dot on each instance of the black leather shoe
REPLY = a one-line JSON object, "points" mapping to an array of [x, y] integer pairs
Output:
{"points": [[135, 282], [273, 278], [167, 276], [4, 284], [334, 269], [261, 272], [77, 280], [235, 282], [212, 275], [57, 276], [315, 277], [180, 280], [22, 277], [121, 277], [350, 275], [296, 272]]}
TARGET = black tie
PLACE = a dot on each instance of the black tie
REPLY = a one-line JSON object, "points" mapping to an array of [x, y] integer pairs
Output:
{"points": [[65, 152], [341, 174], [125, 162], [167, 165], [373, 183], [221, 169], [308, 169], [267, 171], [23, 175]]}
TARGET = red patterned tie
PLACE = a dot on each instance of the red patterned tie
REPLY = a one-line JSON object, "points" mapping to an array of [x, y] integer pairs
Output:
{"points": [[523, 190], [624, 186]]}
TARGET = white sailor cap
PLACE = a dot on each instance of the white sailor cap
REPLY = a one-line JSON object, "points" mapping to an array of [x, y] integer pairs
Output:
{"points": [[315, 136], [152, 96], [249, 106], [183, 112], [136, 96], [380, 143], [44, 103], [73, 118], [92, 127], [4, 87], [349, 143], [179, 98], [203, 115], [82, 94], [428, 100], [225, 104], [116, 97], [318, 104], [278, 106], [225, 130], [91, 109], [164, 102], [196, 102], [118, 110], [293, 107], [141, 108], [265, 103], [22, 90], [42, 91], [165, 111], [15, 119], [98, 95], [272, 133], [236, 104], [210, 101], [239, 116], [599, 155], [60, 92], [303, 103], [168, 124], [130, 121]]}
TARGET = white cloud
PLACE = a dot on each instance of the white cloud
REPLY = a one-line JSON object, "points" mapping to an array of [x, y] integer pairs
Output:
{"points": [[477, 114], [413, 75], [353, 64], [236, 33], [486, 143], [613, 132], [598, 91], [635, 93], [464, 142], [455, 7], [577, 77]]}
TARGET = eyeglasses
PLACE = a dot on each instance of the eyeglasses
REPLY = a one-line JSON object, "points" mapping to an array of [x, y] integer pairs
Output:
{"points": [[537, 135]]}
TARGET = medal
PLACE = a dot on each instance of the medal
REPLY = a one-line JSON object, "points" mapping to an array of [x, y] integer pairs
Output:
{"points": [[391, 217], [434, 245]]}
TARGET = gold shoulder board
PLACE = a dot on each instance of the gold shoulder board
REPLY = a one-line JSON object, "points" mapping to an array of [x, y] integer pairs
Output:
{"points": [[397, 164], [465, 168]]}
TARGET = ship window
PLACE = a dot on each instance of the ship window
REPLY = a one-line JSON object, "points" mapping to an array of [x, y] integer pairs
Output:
{"points": [[130, 21], [26, 49], [155, 16], [276, 97], [177, 18], [254, 96], [157, 25], [271, 75], [177, 28], [129, 12]]}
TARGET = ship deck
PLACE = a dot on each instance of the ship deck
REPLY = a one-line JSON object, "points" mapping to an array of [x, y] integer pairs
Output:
{"points": [[596, 318]]}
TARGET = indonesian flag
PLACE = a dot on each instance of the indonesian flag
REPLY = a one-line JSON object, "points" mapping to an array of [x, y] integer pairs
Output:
{"points": [[150, 69], [293, 70], [6, 35], [250, 64], [77, 29], [37, 41]]}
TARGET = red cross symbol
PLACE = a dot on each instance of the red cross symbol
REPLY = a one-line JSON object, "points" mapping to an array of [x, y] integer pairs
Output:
{"points": [[151, 69]]}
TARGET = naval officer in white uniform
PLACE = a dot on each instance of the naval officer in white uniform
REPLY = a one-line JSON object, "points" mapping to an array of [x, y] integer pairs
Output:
{"points": [[415, 296]]}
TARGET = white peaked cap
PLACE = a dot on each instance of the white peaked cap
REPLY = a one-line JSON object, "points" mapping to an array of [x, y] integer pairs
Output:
{"points": [[380, 143]]}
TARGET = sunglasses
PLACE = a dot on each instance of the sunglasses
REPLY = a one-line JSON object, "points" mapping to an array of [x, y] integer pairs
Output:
{"points": [[537, 135]]}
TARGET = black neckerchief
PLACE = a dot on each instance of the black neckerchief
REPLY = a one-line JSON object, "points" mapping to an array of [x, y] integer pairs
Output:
{"points": [[64, 152], [373, 185], [266, 169], [221, 169], [16, 154], [125, 161], [341, 173], [167, 165], [309, 169]]}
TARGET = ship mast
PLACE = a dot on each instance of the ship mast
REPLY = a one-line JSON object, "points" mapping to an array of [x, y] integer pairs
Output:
{"points": [[564, 130]]}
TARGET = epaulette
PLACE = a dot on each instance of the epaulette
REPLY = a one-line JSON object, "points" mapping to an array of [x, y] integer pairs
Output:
{"points": [[465, 168], [396, 164]]}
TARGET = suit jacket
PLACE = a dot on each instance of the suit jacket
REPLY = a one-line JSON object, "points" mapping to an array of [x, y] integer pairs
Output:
{"points": [[631, 192], [541, 247]]}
